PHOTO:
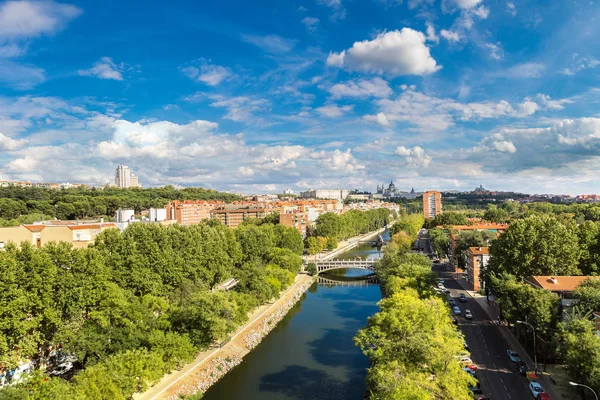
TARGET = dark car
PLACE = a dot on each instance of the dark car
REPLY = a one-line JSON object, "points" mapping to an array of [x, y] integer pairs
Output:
{"points": [[522, 368], [462, 298]]}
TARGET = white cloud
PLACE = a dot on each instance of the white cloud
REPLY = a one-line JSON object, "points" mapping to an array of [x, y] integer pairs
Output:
{"points": [[19, 76], [580, 64], [270, 43], [240, 108], [504, 146], [380, 119], [437, 114], [495, 50], [550, 104], [466, 4], [396, 53], [24, 19], [334, 111], [105, 68], [361, 88], [9, 50], [7, 143], [337, 8], [525, 70], [511, 9], [450, 36], [310, 23], [414, 157], [207, 73], [431, 36]]}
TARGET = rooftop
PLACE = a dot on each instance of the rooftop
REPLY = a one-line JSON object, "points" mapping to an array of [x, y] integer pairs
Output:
{"points": [[479, 250], [558, 283]]}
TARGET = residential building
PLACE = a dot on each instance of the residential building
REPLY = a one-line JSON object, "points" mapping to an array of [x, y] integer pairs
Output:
{"points": [[124, 215], [124, 178], [432, 203], [296, 219], [79, 235], [288, 191], [477, 260], [157, 214], [233, 215], [333, 194], [563, 286], [478, 226], [356, 195], [189, 212]]}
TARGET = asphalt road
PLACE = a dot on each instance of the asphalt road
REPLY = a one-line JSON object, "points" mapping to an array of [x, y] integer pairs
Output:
{"points": [[497, 374]]}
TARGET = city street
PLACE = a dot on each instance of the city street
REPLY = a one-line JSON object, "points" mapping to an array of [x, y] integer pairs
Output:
{"points": [[497, 374]]}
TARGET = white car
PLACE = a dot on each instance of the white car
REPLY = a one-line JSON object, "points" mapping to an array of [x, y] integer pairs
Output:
{"points": [[468, 314], [441, 285], [466, 360], [62, 369], [456, 310], [535, 389]]}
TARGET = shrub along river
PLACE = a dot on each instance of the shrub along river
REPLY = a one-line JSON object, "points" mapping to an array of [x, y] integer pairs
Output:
{"points": [[311, 353]]}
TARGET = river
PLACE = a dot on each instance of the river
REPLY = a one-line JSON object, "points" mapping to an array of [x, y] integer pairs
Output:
{"points": [[310, 354]]}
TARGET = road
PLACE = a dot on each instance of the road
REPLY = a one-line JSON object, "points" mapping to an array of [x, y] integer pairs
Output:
{"points": [[496, 373]]}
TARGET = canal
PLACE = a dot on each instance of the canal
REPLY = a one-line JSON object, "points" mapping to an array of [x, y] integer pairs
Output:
{"points": [[311, 353]]}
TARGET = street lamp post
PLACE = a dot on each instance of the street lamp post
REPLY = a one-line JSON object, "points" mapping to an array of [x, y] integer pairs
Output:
{"points": [[534, 348], [579, 384]]}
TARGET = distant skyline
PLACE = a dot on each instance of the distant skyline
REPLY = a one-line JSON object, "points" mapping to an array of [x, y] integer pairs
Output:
{"points": [[261, 96]]}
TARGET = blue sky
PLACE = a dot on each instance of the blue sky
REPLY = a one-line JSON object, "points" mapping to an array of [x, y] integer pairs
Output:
{"points": [[259, 96]]}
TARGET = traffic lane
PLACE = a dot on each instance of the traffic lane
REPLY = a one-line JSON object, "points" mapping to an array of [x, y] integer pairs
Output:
{"points": [[498, 374]]}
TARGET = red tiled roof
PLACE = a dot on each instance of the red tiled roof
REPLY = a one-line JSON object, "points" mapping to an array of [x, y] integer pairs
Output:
{"points": [[558, 283], [35, 228]]}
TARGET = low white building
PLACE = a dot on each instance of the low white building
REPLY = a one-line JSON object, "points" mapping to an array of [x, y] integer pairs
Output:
{"points": [[332, 194], [124, 215], [157, 214]]}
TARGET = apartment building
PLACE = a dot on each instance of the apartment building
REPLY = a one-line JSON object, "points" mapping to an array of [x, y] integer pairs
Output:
{"points": [[432, 203], [233, 215], [296, 219], [477, 260], [189, 212], [124, 178], [332, 194], [79, 235]]}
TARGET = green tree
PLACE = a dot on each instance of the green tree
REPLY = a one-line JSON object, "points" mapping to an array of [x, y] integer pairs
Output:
{"points": [[495, 214], [588, 296], [537, 245], [580, 349]]}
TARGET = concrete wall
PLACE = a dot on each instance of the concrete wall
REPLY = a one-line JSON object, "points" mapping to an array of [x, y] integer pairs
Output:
{"points": [[16, 234]]}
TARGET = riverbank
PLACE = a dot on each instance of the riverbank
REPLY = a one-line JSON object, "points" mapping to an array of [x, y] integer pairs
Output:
{"points": [[211, 365]]}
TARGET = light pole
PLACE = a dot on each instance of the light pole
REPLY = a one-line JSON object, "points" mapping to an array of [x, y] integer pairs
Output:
{"points": [[534, 348], [579, 384]]}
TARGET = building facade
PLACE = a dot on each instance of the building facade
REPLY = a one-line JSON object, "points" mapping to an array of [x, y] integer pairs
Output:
{"points": [[333, 194], [477, 260], [432, 203], [233, 215], [189, 212], [78, 235], [296, 219], [124, 178]]}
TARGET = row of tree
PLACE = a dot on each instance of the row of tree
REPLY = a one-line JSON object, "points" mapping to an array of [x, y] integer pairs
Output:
{"points": [[331, 227], [24, 205], [413, 346], [136, 304]]}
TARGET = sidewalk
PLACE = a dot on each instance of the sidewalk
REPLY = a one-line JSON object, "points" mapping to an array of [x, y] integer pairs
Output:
{"points": [[511, 340]]}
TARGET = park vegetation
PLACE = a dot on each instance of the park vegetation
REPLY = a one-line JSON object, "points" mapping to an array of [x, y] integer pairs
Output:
{"points": [[21, 205], [136, 304], [413, 346]]}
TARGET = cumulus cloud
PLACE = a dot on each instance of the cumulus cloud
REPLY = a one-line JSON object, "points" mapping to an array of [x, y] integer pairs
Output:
{"points": [[495, 50], [240, 108], [450, 36], [25, 19], [361, 88], [208, 73], [380, 119], [466, 4], [334, 111], [550, 104], [7, 143], [310, 23], [270, 43], [430, 113], [511, 9], [504, 146], [395, 53], [414, 157], [105, 68]]}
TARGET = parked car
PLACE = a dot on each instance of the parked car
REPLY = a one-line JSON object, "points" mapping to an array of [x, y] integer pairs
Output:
{"points": [[454, 321], [470, 372], [543, 396], [535, 389], [513, 355], [452, 303], [447, 291], [465, 345], [441, 285], [475, 390], [456, 310], [462, 298], [522, 368], [468, 314], [465, 360], [62, 369]]}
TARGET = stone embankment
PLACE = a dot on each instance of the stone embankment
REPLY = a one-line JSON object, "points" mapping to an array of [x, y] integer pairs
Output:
{"points": [[233, 351]]}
